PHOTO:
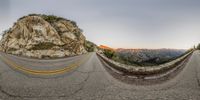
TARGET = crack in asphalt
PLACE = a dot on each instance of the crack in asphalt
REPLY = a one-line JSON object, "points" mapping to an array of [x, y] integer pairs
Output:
{"points": [[6, 93], [81, 88], [110, 84], [196, 74], [88, 76], [197, 78], [198, 81], [105, 91], [82, 83], [18, 96], [1, 89], [109, 81]]}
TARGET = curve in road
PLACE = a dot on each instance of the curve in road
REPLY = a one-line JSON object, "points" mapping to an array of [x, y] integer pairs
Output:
{"points": [[90, 81], [42, 72]]}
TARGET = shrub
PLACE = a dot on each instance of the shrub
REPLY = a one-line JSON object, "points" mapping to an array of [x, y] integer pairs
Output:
{"points": [[109, 53], [89, 46], [198, 46], [43, 46], [50, 18]]}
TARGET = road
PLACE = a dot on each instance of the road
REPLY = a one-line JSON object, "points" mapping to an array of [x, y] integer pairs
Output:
{"points": [[85, 78]]}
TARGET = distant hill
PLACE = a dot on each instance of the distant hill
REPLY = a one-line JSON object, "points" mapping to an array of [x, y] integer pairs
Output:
{"points": [[106, 47], [148, 56]]}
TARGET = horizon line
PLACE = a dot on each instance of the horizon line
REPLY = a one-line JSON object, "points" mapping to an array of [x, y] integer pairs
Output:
{"points": [[146, 48]]}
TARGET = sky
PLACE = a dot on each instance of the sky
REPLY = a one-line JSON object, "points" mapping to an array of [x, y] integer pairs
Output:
{"points": [[119, 23]]}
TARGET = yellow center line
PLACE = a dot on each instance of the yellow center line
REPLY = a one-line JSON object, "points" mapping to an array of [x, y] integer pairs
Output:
{"points": [[45, 72]]}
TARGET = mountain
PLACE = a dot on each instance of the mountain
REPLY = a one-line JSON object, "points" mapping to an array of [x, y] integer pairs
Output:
{"points": [[148, 56], [106, 47], [40, 36]]}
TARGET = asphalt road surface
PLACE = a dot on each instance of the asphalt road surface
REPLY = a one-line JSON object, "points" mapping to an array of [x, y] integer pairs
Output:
{"points": [[85, 78]]}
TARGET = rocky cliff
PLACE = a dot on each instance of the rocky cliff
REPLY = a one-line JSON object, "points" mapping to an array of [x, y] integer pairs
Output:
{"points": [[42, 36]]}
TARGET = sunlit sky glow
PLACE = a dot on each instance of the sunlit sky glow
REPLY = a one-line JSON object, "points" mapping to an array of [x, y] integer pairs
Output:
{"points": [[119, 23]]}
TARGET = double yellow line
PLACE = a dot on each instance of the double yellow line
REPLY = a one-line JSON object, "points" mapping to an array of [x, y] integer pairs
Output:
{"points": [[45, 72]]}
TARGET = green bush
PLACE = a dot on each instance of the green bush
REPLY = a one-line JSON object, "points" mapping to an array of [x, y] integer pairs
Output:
{"points": [[109, 53], [198, 46], [89, 46], [43, 46], [51, 18]]}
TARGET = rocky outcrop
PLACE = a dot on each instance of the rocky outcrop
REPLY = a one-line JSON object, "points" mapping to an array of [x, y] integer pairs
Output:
{"points": [[43, 36]]}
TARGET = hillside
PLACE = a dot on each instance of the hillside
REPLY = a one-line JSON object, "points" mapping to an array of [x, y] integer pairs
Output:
{"points": [[144, 57], [106, 47], [42, 36]]}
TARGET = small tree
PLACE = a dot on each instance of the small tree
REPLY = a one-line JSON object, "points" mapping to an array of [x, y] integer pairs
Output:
{"points": [[109, 53], [198, 46]]}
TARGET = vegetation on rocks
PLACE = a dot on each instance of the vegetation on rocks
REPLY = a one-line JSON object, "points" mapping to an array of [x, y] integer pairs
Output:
{"points": [[90, 46], [43, 46], [198, 46]]}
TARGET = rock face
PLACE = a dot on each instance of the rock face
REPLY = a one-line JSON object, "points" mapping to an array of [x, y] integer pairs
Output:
{"points": [[42, 36]]}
